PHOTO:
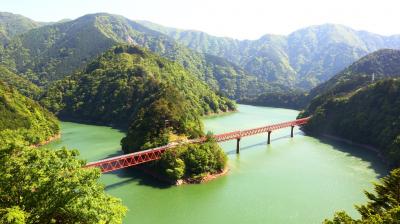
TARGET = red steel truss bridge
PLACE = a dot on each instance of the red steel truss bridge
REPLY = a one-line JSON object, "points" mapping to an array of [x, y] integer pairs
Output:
{"points": [[136, 158]]}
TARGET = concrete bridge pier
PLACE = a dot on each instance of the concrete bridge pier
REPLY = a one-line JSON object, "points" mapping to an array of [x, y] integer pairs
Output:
{"points": [[291, 132], [237, 145], [269, 138]]}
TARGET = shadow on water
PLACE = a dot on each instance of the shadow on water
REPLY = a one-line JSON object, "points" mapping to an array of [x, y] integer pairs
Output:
{"points": [[366, 155], [233, 152], [133, 174], [363, 153]]}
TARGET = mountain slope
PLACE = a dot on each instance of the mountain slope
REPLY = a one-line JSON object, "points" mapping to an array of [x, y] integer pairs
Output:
{"points": [[303, 59], [266, 57], [369, 115], [24, 86], [378, 65], [355, 106], [12, 25], [23, 121], [113, 88], [49, 53]]}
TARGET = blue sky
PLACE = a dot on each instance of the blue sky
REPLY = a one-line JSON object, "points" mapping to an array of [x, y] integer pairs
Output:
{"points": [[242, 19]]}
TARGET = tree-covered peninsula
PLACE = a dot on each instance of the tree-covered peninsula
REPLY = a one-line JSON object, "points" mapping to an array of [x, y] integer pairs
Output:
{"points": [[157, 101]]}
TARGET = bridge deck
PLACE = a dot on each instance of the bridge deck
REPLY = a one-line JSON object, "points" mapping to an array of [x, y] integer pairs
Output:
{"points": [[132, 159]]}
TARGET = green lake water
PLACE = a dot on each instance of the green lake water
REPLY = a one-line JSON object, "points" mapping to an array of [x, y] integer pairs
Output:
{"points": [[293, 180]]}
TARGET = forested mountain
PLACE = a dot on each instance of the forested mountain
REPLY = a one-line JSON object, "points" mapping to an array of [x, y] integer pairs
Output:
{"points": [[23, 121], [377, 65], [113, 88], [358, 107], [24, 86], [303, 59], [50, 52], [12, 25], [369, 115]]}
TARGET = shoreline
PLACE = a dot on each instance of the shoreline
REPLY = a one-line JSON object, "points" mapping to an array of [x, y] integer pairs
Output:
{"points": [[207, 178], [365, 146], [211, 115], [49, 140]]}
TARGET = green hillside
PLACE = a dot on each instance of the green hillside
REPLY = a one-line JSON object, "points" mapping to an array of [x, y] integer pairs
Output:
{"points": [[304, 58], [375, 66], [113, 88], [13, 24], [369, 116], [51, 52], [354, 106], [22, 120], [24, 86]]}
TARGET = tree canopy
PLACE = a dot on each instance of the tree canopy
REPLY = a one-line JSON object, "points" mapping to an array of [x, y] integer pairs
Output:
{"points": [[50, 186], [24, 120], [116, 86]]}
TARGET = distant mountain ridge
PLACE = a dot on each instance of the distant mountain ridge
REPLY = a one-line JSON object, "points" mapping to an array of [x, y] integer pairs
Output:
{"points": [[239, 69], [48, 53], [13, 24], [118, 84], [381, 64], [304, 58]]}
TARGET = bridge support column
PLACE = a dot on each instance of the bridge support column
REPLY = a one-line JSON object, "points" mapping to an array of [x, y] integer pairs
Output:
{"points": [[291, 132], [269, 138], [237, 145]]}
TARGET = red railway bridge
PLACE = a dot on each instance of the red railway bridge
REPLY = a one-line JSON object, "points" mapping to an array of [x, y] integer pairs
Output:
{"points": [[136, 158]]}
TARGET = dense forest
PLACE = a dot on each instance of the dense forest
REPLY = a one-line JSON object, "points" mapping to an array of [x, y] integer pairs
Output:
{"points": [[361, 104], [296, 99], [50, 186], [12, 25], [157, 82], [23, 120], [192, 162], [115, 87], [24, 86], [302, 59], [159, 101], [381, 64], [43, 185], [369, 115], [49, 53]]}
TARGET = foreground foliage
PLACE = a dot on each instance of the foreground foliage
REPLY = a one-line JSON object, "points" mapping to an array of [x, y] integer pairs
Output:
{"points": [[383, 205], [192, 161], [50, 186], [23, 120]]}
